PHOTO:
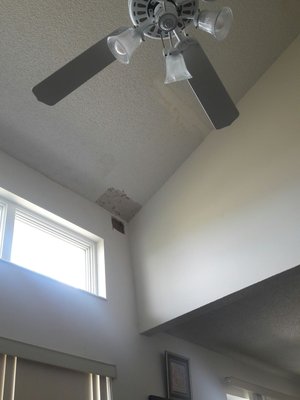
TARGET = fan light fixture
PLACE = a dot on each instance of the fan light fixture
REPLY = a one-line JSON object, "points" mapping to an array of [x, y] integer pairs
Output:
{"points": [[167, 21], [176, 69], [162, 19], [125, 43], [217, 23]]}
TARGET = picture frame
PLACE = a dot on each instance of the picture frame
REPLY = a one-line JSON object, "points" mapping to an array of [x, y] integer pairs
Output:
{"points": [[177, 377]]}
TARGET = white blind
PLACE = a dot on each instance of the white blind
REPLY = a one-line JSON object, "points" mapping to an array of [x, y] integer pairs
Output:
{"points": [[52, 357], [7, 377], [2, 376], [22, 379], [41, 381]]}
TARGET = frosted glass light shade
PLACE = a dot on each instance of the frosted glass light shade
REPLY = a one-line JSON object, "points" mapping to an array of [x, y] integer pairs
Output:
{"points": [[176, 69], [124, 45], [217, 23]]}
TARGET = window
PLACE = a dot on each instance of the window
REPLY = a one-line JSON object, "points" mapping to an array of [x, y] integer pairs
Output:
{"points": [[2, 215], [232, 397], [237, 389], [46, 244]]}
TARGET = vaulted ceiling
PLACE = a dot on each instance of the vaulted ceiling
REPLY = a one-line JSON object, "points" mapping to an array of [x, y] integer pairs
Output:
{"points": [[124, 129]]}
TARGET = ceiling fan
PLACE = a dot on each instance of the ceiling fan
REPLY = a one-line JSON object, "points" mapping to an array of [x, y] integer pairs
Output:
{"points": [[185, 59]]}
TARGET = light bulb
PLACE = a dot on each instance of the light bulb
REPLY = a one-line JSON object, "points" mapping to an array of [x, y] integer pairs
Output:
{"points": [[119, 48]]}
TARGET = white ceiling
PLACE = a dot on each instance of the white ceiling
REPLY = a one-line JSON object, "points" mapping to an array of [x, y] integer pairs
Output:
{"points": [[123, 129]]}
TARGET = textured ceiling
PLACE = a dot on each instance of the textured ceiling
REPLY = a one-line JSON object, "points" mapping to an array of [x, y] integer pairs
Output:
{"points": [[261, 323], [123, 129]]}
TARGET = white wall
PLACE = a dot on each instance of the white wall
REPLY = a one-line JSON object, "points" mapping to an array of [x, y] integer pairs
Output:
{"points": [[230, 215], [37, 311]]}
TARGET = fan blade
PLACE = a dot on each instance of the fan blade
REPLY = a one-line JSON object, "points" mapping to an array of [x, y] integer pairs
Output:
{"points": [[68, 78], [208, 87]]}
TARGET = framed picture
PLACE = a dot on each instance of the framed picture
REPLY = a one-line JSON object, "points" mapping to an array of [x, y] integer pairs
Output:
{"points": [[178, 377]]}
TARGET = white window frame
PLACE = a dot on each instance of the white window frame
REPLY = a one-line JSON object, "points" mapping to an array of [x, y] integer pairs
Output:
{"points": [[56, 226]]}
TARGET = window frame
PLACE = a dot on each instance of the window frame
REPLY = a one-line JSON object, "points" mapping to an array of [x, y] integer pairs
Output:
{"points": [[58, 227]]}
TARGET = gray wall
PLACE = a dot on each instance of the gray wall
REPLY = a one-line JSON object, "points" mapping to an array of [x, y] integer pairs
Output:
{"points": [[46, 313], [229, 217]]}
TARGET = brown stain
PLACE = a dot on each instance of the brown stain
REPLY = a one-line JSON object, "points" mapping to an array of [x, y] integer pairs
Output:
{"points": [[118, 203]]}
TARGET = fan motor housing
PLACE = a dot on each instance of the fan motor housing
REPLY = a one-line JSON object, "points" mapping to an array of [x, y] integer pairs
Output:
{"points": [[166, 16], [143, 12]]}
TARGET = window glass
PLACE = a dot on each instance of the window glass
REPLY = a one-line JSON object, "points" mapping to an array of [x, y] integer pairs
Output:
{"points": [[47, 251], [45, 243], [1, 218], [2, 209], [232, 397]]}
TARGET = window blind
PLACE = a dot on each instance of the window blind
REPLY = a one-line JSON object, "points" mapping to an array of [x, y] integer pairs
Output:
{"points": [[7, 376], [22, 379], [53, 357], [41, 381], [2, 376]]}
